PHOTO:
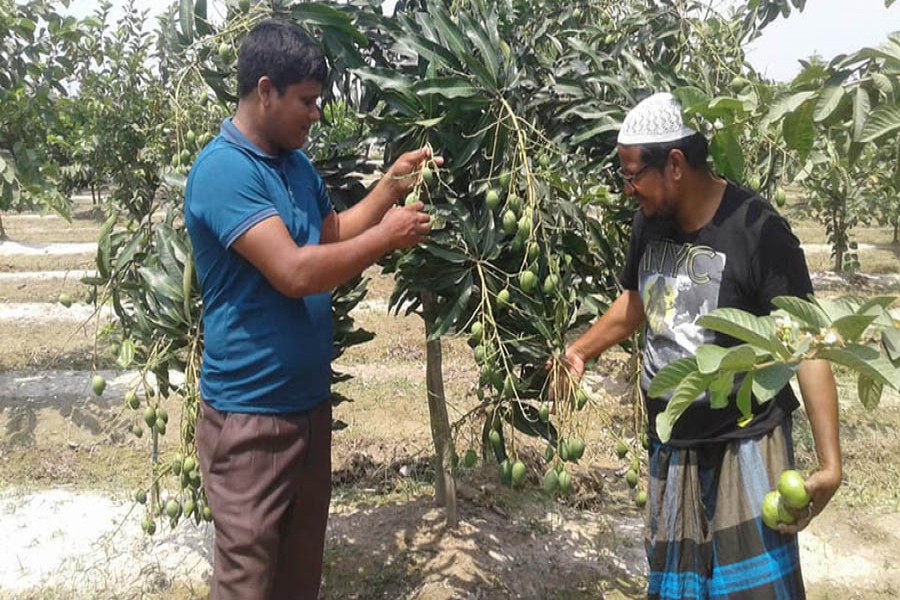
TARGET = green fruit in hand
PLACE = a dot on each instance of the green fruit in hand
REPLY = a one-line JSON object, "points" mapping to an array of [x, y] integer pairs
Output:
{"points": [[565, 482], [527, 281], [580, 399], [411, 198], [494, 436], [550, 283], [503, 298], [427, 175], [509, 222], [640, 499], [518, 473], [173, 509], [576, 448], [792, 488], [504, 180], [470, 458], [551, 481], [621, 449], [770, 509], [544, 412], [131, 400], [631, 478], [784, 515], [140, 496], [477, 332], [65, 300], [150, 416]]}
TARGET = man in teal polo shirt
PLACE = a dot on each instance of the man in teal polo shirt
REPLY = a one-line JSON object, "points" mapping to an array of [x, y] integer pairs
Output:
{"points": [[269, 248]]}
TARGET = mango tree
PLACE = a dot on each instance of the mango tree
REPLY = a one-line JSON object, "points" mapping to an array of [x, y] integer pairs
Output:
{"points": [[38, 49]]}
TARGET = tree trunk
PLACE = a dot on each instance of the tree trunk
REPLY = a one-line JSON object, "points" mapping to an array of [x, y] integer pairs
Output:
{"points": [[444, 484], [2, 231], [896, 232]]}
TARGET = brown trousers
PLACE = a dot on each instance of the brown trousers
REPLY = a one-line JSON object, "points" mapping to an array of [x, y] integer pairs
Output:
{"points": [[268, 483]]}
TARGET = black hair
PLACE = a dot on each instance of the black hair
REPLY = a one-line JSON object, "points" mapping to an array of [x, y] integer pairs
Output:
{"points": [[280, 51], [694, 147]]}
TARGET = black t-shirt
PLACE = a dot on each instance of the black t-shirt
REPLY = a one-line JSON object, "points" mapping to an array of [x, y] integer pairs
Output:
{"points": [[745, 257]]}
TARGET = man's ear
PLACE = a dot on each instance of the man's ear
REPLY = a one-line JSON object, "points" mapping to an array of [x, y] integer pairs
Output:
{"points": [[678, 162], [265, 91]]}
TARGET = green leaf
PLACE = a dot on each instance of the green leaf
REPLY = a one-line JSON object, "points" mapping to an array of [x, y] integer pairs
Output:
{"points": [[739, 358], [200, 20], [459, 305], [745, 399], [448, 87], [720, 389], [742, 326], [799, 130], [869, 391], [890, 339], [689, 390], [864, 360], [835, 308], [186, 19], [807, 312], [828, 102], [709, 357], [785, 105], [853, 326], [671, 375], [452, 256], [727, 154], [882, 121], [861, 107], [769, 381]]}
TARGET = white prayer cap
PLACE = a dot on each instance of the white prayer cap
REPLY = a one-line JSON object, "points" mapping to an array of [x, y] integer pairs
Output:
{"points": [[656, 119]]}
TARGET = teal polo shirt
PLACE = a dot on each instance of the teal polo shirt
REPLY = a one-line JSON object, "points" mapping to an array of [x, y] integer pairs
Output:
{"points": [[263, 352]]}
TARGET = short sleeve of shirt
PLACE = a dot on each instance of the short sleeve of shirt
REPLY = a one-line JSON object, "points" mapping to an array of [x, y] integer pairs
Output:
{"points": [[228, 195], [779, 267], [629, 277], [322, 200]]}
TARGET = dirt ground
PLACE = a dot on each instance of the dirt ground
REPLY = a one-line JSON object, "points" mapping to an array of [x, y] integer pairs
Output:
{"points": [[68, 468]]}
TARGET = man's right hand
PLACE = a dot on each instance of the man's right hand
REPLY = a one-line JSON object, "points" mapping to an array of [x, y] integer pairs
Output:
{"points": [[405, 226], [567, 378]]}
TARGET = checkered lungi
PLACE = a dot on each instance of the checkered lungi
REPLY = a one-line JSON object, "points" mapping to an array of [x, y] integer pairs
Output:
{"points": [[704, 533]]}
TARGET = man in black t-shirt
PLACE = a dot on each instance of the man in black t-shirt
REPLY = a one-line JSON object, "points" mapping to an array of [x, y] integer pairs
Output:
{"points": [[699, 243]]}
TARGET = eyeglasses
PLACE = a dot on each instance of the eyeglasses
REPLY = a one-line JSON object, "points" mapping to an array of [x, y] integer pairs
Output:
{"points": [[632, 179]]}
